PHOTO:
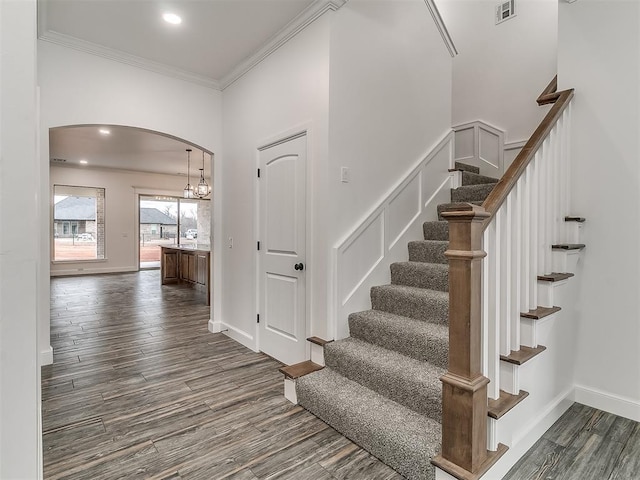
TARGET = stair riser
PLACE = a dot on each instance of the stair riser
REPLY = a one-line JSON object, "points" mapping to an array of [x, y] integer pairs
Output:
{"points": [[419, 394], [471, 193], [466, 167], [415, 307], [469, 178], [418, 345], [428, 252], [436, 231], [428, 276]]}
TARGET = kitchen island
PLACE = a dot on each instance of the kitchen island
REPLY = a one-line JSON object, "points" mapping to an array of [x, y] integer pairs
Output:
{"points": [[189, 264]]}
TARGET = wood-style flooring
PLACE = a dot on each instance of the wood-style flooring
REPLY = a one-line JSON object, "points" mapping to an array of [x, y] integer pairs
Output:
{"points": [[584, 444], [140, 389]]}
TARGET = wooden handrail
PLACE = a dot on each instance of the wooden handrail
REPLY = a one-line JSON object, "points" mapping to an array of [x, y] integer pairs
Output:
{"points": [[499, 194], [550, 93], [464, 451]]}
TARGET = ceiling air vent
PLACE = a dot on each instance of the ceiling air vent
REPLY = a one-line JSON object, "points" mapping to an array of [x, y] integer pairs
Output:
{"points": [[505, 11], [58, 160]]}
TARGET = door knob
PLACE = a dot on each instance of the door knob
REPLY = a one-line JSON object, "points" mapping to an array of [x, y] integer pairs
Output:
{"points": [[299, 266]]}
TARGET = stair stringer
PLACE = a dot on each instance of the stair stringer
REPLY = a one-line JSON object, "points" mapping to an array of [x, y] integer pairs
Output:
{"points": [[362, 258]]}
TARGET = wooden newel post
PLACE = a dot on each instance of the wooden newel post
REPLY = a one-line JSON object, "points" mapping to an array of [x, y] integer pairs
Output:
{"points": [[464, 389]]}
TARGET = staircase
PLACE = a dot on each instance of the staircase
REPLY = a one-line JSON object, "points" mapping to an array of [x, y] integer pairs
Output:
{"points": [[381, 386]]}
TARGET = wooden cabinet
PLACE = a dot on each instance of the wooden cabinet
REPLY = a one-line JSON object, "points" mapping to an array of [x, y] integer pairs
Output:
{"points": [[186, 265]]}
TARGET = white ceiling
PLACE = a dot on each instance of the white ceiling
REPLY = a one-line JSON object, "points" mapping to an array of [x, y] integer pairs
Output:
{"points": [[125, 148], [217, 41]]}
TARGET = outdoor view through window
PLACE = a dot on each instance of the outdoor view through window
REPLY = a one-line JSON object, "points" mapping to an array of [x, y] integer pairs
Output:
{"points": [[169, 221], [78, 223]]}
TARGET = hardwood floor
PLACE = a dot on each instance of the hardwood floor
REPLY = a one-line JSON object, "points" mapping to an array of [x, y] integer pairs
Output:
{"points": [[584, 444], [139, 388]]}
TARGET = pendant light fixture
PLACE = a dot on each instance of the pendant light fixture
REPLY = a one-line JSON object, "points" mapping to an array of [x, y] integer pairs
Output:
{"points": [[188, 189], [203, 189]]}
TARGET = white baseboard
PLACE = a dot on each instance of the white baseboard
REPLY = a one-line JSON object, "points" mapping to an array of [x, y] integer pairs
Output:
{"points": [[46, 356], [616, 404], [90, 271], [530, 434], [215, 327], [230, 331]]}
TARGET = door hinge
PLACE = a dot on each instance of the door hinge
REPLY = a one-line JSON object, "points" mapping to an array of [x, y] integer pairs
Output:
{"points": [[258, 173], [258, 245], [258, 318]]}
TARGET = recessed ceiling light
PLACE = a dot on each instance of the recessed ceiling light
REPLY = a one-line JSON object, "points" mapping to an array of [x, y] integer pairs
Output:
{"points": [[104, 131], [83, 162], [172, 18]]}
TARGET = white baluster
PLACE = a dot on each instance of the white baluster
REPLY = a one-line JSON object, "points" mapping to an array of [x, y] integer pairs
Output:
{"points": [[505, 283], [541, 166], [525, 271], [493, 331], [516, 263], [533, 235]]}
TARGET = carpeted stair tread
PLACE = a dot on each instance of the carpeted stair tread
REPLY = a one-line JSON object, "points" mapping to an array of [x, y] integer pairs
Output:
{"points": [[465, 167], [437, 230], [447, 206], [424, 341], [434, 276], [471, 193], [469, 178], [400, 437], [410, 382], [417, 303], [428, 251]]}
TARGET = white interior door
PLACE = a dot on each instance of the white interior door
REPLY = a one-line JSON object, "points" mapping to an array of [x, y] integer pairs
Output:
{"points": [[282, 304]]}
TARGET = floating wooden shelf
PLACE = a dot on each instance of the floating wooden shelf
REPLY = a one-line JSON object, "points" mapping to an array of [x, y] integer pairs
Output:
{"points": [[540, 312], [555, 277], [300, 369], [523, 355], [497, 408]]}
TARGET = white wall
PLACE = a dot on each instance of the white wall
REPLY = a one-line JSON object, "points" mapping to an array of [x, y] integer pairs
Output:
{"points": [[390, 105], [390, 101], [288, 91], [501, 69], [121, 206], [78, 88], [20, 441], [599, 55]]}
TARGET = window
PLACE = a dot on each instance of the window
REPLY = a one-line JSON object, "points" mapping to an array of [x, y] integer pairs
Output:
{"points": [[170, 221], [78, 223]]}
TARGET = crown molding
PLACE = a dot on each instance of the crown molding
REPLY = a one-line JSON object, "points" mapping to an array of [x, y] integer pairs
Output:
{"points": [[442, 28], [126, 58], [303, 20]]}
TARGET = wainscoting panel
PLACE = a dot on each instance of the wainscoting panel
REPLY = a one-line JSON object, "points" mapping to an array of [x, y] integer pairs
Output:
{"points": [[489, 149], [481, 145], [362, 258], [404, 208]]}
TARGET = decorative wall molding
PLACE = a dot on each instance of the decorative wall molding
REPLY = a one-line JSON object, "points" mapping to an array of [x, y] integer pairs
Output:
{"points": [[481, 145], [442, 28], [302, 21], [362, 257], [126, 58]]}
